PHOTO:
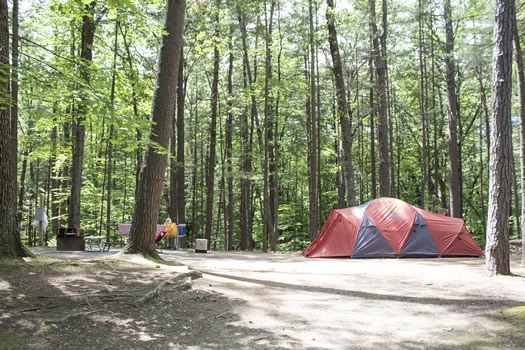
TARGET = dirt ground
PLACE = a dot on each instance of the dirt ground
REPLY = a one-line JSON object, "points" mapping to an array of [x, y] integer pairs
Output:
{"points": [[101, 301]]}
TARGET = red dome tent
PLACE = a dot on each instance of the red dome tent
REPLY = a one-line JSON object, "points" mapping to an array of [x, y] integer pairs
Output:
{"points": [[389, 227]]}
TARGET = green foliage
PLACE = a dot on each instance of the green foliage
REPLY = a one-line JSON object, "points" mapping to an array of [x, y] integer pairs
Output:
{"points": [[51, 87]]}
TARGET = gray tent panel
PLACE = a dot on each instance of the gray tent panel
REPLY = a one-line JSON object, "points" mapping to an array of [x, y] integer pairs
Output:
{"points": [[370, 243], [419, 243]]}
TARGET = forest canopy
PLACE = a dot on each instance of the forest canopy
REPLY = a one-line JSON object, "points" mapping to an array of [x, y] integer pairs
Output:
{"points": [[256, 156]]}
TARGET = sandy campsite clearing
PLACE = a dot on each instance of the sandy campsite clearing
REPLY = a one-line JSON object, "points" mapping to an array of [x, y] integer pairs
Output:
{"points": [[259, 301]]}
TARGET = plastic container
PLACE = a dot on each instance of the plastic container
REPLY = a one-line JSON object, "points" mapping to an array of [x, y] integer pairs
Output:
{"points": [[201, 246]]}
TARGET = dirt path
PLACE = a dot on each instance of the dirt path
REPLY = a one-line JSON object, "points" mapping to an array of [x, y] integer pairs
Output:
{"points": [[91, 300], [368, 304]]}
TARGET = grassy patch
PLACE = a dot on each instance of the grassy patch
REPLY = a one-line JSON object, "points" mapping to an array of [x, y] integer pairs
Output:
{"points": [[13, 340], [516, 313], [507, 331]]}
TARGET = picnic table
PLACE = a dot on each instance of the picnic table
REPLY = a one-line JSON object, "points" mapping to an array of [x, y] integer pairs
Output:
{"points": [[94, 239], [124, 229]]}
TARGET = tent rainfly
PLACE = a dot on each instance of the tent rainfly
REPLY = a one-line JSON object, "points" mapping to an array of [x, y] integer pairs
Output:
{"points": [[389, 227]]}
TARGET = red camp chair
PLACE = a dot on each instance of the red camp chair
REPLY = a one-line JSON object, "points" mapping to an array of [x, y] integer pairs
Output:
{"points": [[159, 235]]}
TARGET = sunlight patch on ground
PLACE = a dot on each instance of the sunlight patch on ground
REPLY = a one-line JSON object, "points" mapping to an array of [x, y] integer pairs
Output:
{"points": [[65, 284], [4, 316], [128, 326], [120, 322], [145, 337], [4, 286], [140, 260]]}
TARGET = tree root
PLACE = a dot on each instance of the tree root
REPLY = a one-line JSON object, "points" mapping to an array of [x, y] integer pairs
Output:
{"points": [[151, 252], [179, 281], [37, 308], [71, 316]]}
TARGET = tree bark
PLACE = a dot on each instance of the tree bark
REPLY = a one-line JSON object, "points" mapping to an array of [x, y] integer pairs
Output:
{"points": [[269, 155], [86, 56], [210, 176], [151, 179], [521, 93], [194, 219], [14, 95], [110, 139], [181, 178], [435, 152], [422, 110], [10, 243], [482, 118], [373, 161], [273, 131], [54, 186], [21, 189], [314, 195], [246, 144], [275, 185], [382, 104], [497, 246], [345, 116], [516, 205], [228, 151], [14, 126], [172, 205], [453, 151]]}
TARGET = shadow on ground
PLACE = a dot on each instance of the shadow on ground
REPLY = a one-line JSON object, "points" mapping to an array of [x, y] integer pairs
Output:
{"points": [[469, 303], [92, 305]]}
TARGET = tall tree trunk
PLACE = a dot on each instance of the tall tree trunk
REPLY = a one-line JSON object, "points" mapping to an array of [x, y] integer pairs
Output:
{"points": [[66, 171], [221, 206], [14, 115], [269, 154], [33, 194], [373, 162], [194, 177], [360, 132], [210, 176], [14, 97], [10, 243], [521, 92], [54, 188], [110, 140], [181, 178], [482, 168], [245, 180], [382, 103], [86, 55], [422, 109], [172, 205], [151, 179], [442, 186], [314, 195], [345, 117], [497, 246], [453, 151], [278, 136], [21, 190], [228, 151], [435, 152], [515, 195], [104, 187], [246, 144]]}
